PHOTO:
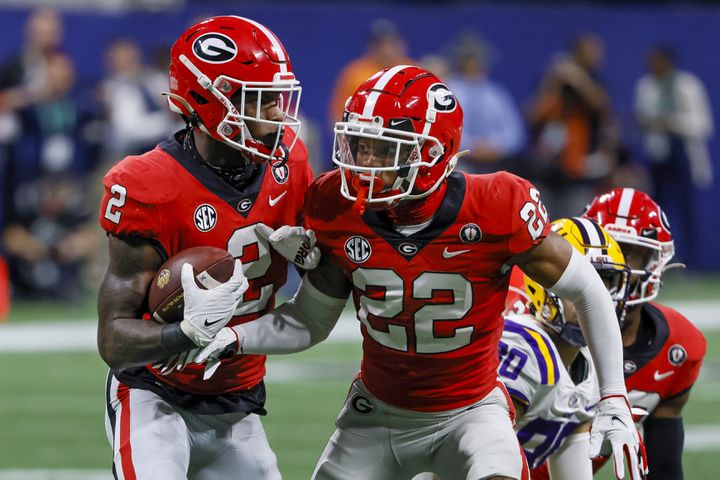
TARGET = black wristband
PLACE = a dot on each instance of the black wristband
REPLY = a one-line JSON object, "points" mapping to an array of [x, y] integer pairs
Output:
{"points": [[174, 340], [664, 438]]}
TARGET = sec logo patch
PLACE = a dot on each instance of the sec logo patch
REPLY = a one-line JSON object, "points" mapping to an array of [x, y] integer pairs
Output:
{"points": [[205, 217], [358, 249]]}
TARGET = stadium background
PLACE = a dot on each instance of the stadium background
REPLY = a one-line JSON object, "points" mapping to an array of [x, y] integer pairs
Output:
{"points": [[51, 399]]}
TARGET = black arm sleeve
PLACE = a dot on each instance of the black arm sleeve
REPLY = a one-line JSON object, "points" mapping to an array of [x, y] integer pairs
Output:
{"points": [[664, 438]]}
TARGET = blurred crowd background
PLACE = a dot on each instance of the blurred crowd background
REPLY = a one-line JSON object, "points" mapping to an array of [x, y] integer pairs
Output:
{"points": [[577, 97]]}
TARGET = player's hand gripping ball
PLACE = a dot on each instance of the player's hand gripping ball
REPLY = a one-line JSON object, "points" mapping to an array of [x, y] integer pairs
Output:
{"points": [[211, 266]]}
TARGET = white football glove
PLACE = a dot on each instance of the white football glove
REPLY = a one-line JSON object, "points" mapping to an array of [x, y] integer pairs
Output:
{"points": [[225, 344], [177, 362], [613, 431], [208, 311], [296, 244]]}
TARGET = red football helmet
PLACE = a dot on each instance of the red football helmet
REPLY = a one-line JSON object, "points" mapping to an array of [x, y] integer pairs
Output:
{"points": [[636, 222], [399, 137], [221, 63]]}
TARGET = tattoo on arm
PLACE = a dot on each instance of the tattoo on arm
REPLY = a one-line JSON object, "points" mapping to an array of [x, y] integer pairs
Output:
{"points": [[124, 338]]}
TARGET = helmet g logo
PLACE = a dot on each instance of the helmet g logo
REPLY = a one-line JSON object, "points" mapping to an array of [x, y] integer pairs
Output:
{"points": [[214, 48], [441, 98]]}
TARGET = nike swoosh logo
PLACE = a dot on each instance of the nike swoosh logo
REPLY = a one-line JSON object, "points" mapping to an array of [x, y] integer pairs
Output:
{"points": [[396, 122], [272, 201], [659, 376], [207, 324], [615, 418], [448, 254]]}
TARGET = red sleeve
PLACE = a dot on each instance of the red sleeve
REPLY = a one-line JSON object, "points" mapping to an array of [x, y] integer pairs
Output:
{"points": [[135, 201], [526, 214], [308, 180], [307, 206], [322, 207], [693, 341]]}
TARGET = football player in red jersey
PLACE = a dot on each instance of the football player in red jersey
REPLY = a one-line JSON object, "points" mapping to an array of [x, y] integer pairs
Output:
{"points": [[663, 351], [424, 252], [236, 164]]}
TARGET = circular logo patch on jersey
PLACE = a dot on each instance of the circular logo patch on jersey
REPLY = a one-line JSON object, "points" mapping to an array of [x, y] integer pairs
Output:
{"points": [[470, 233], [408, 249], [629, 366], [244, 205], [163, 278], [358, 249], [280, 173], [441, 98], [677, 355], [362, 404], [205, 217], [214, 48]]}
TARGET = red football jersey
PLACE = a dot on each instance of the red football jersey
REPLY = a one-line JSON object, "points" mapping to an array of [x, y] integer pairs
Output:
{"points": [[167, 196], [430, 303], [668, 363], [517, 298]]}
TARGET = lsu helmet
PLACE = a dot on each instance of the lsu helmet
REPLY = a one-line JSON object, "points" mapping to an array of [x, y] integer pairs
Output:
{"points": [[219, 65], [633, 218], [408, 117], [603, 252]]}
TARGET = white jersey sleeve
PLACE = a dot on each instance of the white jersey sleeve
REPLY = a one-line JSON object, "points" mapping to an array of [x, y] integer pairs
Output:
{"points": [[534, 375]]}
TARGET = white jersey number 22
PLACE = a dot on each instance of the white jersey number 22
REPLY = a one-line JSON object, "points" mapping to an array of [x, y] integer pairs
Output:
{"points": [[396, 336]]}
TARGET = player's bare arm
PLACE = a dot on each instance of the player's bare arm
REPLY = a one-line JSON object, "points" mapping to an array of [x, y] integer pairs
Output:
{"points": [[546, 262], [672, 407], [124, 339]]}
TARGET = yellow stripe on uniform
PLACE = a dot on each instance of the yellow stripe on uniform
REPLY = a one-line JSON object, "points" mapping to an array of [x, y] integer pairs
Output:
{"points": [[545, 350]]}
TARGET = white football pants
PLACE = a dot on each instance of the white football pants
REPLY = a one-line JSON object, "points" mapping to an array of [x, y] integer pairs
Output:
{"points": [[374, 440], [155, 440]]}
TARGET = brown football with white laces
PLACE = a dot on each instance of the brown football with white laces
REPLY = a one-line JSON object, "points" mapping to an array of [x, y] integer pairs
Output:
{"points": [[211, 266]]}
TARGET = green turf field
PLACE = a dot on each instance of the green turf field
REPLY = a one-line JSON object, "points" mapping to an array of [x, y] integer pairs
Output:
{"points": [[51, 409]]}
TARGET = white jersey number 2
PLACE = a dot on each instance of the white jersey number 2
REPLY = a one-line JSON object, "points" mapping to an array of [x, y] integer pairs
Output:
{"points": [[245, 243], [423, 287]]}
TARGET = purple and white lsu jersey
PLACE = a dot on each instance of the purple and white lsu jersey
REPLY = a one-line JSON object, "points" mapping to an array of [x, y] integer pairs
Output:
{"points": [[534, 375]]}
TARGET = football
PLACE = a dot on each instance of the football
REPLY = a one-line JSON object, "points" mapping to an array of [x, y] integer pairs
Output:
{"points": [[210, 265]]}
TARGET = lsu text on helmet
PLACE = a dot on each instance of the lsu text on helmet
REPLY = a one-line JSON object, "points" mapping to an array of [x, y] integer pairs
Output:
{"points": [[399, 137], [223, 70], [603, 252], [639, 224]]}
